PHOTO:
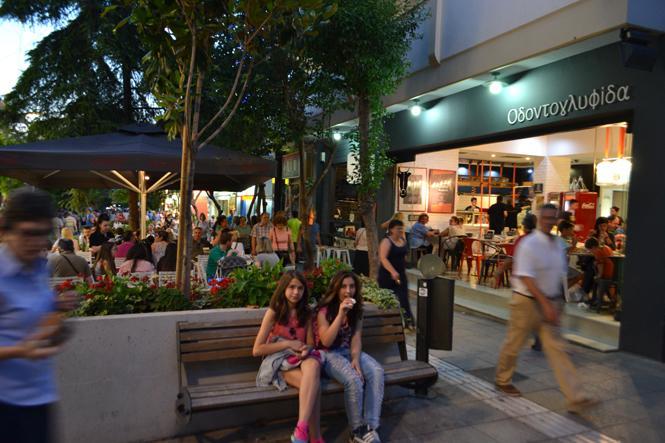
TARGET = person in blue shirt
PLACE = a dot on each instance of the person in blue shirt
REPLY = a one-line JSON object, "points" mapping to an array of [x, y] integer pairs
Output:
{"points": [[421, 233], [30, 328]]}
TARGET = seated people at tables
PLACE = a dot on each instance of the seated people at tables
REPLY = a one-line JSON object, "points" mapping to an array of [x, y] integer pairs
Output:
{"points": [[128, 240], [102, 233], [236, 245], [604, 271], [159, 246], [602, 234], [421, 234], [218, 252], [198, 242], [615, 225], [244, 233], [84, 238], [567, 235], [497, 214], [104, 264], [137, 261], [168, 261], [265, 256], [66, 234], [452, 242], [67, 263]]}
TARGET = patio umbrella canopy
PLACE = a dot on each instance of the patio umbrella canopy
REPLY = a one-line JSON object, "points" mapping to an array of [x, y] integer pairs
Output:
{"points": [[85, 162]]}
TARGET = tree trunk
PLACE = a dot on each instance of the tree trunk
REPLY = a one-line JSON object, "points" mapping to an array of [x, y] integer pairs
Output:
{"points": [[133, 211], [367, 198], [127, 93], [304, 207], [264, 200], [211, 196], [251, 204], [278, 189], [187, 167]]}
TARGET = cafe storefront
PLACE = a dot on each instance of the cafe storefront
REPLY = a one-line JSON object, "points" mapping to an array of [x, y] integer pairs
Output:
{"points": [[511, 143]]}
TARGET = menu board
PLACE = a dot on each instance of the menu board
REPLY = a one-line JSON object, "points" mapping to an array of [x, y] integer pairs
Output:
{"points": [[441, 191]]}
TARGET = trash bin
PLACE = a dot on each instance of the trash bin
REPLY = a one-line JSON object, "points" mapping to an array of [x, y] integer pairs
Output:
{"points": [[441, 307], [436, 301]]}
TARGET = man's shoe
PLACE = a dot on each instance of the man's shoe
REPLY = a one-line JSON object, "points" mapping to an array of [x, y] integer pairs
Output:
{"points": [[581, 404], [510, 390]]}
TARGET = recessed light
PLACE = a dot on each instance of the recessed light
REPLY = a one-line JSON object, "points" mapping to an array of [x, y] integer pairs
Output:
{"points": [[528, 158], [493, 155]]}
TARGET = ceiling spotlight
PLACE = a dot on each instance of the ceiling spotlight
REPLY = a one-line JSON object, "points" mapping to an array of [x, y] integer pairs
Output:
{"points": [[337, 136], [495, 85], [528, 158], [416, 109], [147, 177], [493, 155], [530, 171]]}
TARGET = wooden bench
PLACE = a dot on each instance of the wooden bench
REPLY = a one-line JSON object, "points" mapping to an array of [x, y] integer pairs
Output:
{"points": [[200, 342]]}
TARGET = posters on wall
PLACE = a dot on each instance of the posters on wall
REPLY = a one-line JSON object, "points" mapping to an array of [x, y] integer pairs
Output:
{"points": [[441, 191], [416, 198]]}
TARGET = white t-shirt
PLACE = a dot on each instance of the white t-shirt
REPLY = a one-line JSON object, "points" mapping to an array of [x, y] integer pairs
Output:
{"points": [[540, 257], [361, 236]]}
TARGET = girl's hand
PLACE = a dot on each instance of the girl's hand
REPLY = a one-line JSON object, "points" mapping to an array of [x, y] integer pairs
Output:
{"points": [[346, 305], [296, 345], [355, 364], [305, 351], [394, 275]]}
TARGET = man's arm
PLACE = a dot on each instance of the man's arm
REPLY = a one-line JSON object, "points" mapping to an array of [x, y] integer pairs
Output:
{"points": [[549, 311]]}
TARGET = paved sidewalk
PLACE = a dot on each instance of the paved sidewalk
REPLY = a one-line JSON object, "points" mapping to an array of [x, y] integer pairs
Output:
{"points": [[464, 407]]}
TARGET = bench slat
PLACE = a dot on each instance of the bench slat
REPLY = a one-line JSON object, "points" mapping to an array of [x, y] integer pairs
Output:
{"points": [[383, 330], [395, 373], [381, 321], [211, 334], [391, 338], [216, 355], [214, 345], [193, 326], [240, 387]]}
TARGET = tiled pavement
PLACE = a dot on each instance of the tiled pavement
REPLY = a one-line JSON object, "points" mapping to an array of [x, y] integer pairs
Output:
{"points": [[462, 406]]}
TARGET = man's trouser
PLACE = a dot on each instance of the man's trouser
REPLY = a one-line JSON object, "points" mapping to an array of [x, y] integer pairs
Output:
{"points": [[525, 318]]}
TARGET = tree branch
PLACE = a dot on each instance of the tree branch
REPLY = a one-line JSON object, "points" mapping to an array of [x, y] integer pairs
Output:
{"points": [[190, 75], [226, 121], [326, 168], [228, 99]]}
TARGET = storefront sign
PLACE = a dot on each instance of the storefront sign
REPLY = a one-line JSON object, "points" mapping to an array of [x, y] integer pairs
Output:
{"points": [[607, 95]]}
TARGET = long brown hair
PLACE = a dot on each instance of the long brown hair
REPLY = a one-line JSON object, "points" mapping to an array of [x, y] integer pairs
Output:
{"points": [[331, 299], [280, 305]]}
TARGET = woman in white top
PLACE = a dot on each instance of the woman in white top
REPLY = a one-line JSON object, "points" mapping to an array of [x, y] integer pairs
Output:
{"points": [[361, 258], [453, 243], [159, 246]]}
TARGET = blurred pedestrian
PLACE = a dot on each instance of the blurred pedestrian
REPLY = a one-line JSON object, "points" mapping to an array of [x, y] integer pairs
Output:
{"points": [[30, 327], [539, 274]]}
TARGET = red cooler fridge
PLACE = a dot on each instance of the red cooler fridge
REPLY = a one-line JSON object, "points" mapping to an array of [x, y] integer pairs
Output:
{"points": [[585, 214]]}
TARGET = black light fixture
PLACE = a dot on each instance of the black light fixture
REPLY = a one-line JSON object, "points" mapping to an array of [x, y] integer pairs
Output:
{"points": [[403, 176], [638, 49]]}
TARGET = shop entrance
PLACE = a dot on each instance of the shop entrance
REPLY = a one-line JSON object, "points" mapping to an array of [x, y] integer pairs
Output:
{"points": [[481, 195]]}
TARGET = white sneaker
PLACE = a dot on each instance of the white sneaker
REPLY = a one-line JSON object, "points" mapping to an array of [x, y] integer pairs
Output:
{"points": [[583, 305]]}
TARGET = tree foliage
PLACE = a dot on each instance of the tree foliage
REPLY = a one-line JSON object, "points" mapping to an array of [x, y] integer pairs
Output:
{"points": [[83, 78]]}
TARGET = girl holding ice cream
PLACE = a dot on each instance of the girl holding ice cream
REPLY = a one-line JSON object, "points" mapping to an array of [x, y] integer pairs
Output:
{"points": [[339, 332]]}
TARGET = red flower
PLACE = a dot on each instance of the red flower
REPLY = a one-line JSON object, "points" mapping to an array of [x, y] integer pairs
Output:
{"points": [[214, 290], [88, 296], [310, 285]]}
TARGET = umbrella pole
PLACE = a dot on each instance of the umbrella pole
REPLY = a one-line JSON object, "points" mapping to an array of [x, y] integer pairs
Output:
{"points": [[144, 200]]}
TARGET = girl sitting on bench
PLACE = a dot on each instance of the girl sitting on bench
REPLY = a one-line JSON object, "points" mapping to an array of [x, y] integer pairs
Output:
{"points": [[286, 340], [339, 328]]}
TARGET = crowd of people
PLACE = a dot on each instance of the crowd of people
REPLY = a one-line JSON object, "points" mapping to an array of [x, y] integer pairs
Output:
{"points": [[298, 343]]}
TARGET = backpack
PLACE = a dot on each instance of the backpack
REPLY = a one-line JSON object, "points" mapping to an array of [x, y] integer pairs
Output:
{"points": [[230, 263]]}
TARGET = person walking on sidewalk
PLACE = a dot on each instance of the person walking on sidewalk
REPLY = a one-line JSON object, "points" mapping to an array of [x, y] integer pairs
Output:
{"points": [[539, 273]]}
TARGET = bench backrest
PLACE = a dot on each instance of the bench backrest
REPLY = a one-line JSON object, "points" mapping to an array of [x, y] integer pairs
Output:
{"points": [[211, 341]]}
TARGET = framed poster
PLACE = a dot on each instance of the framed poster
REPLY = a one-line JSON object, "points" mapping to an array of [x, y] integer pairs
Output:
{"points": [[441, 191], [415, 200]]}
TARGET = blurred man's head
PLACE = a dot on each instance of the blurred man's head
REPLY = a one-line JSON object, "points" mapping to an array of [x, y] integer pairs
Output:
{"points": [[566, 229], [27, 222], [548, 217], [197, 234], [573, 205], [614, 210], [591, 244]]}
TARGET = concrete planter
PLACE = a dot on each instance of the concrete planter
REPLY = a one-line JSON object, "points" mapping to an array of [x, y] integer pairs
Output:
{"points": [[118, 379]]}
